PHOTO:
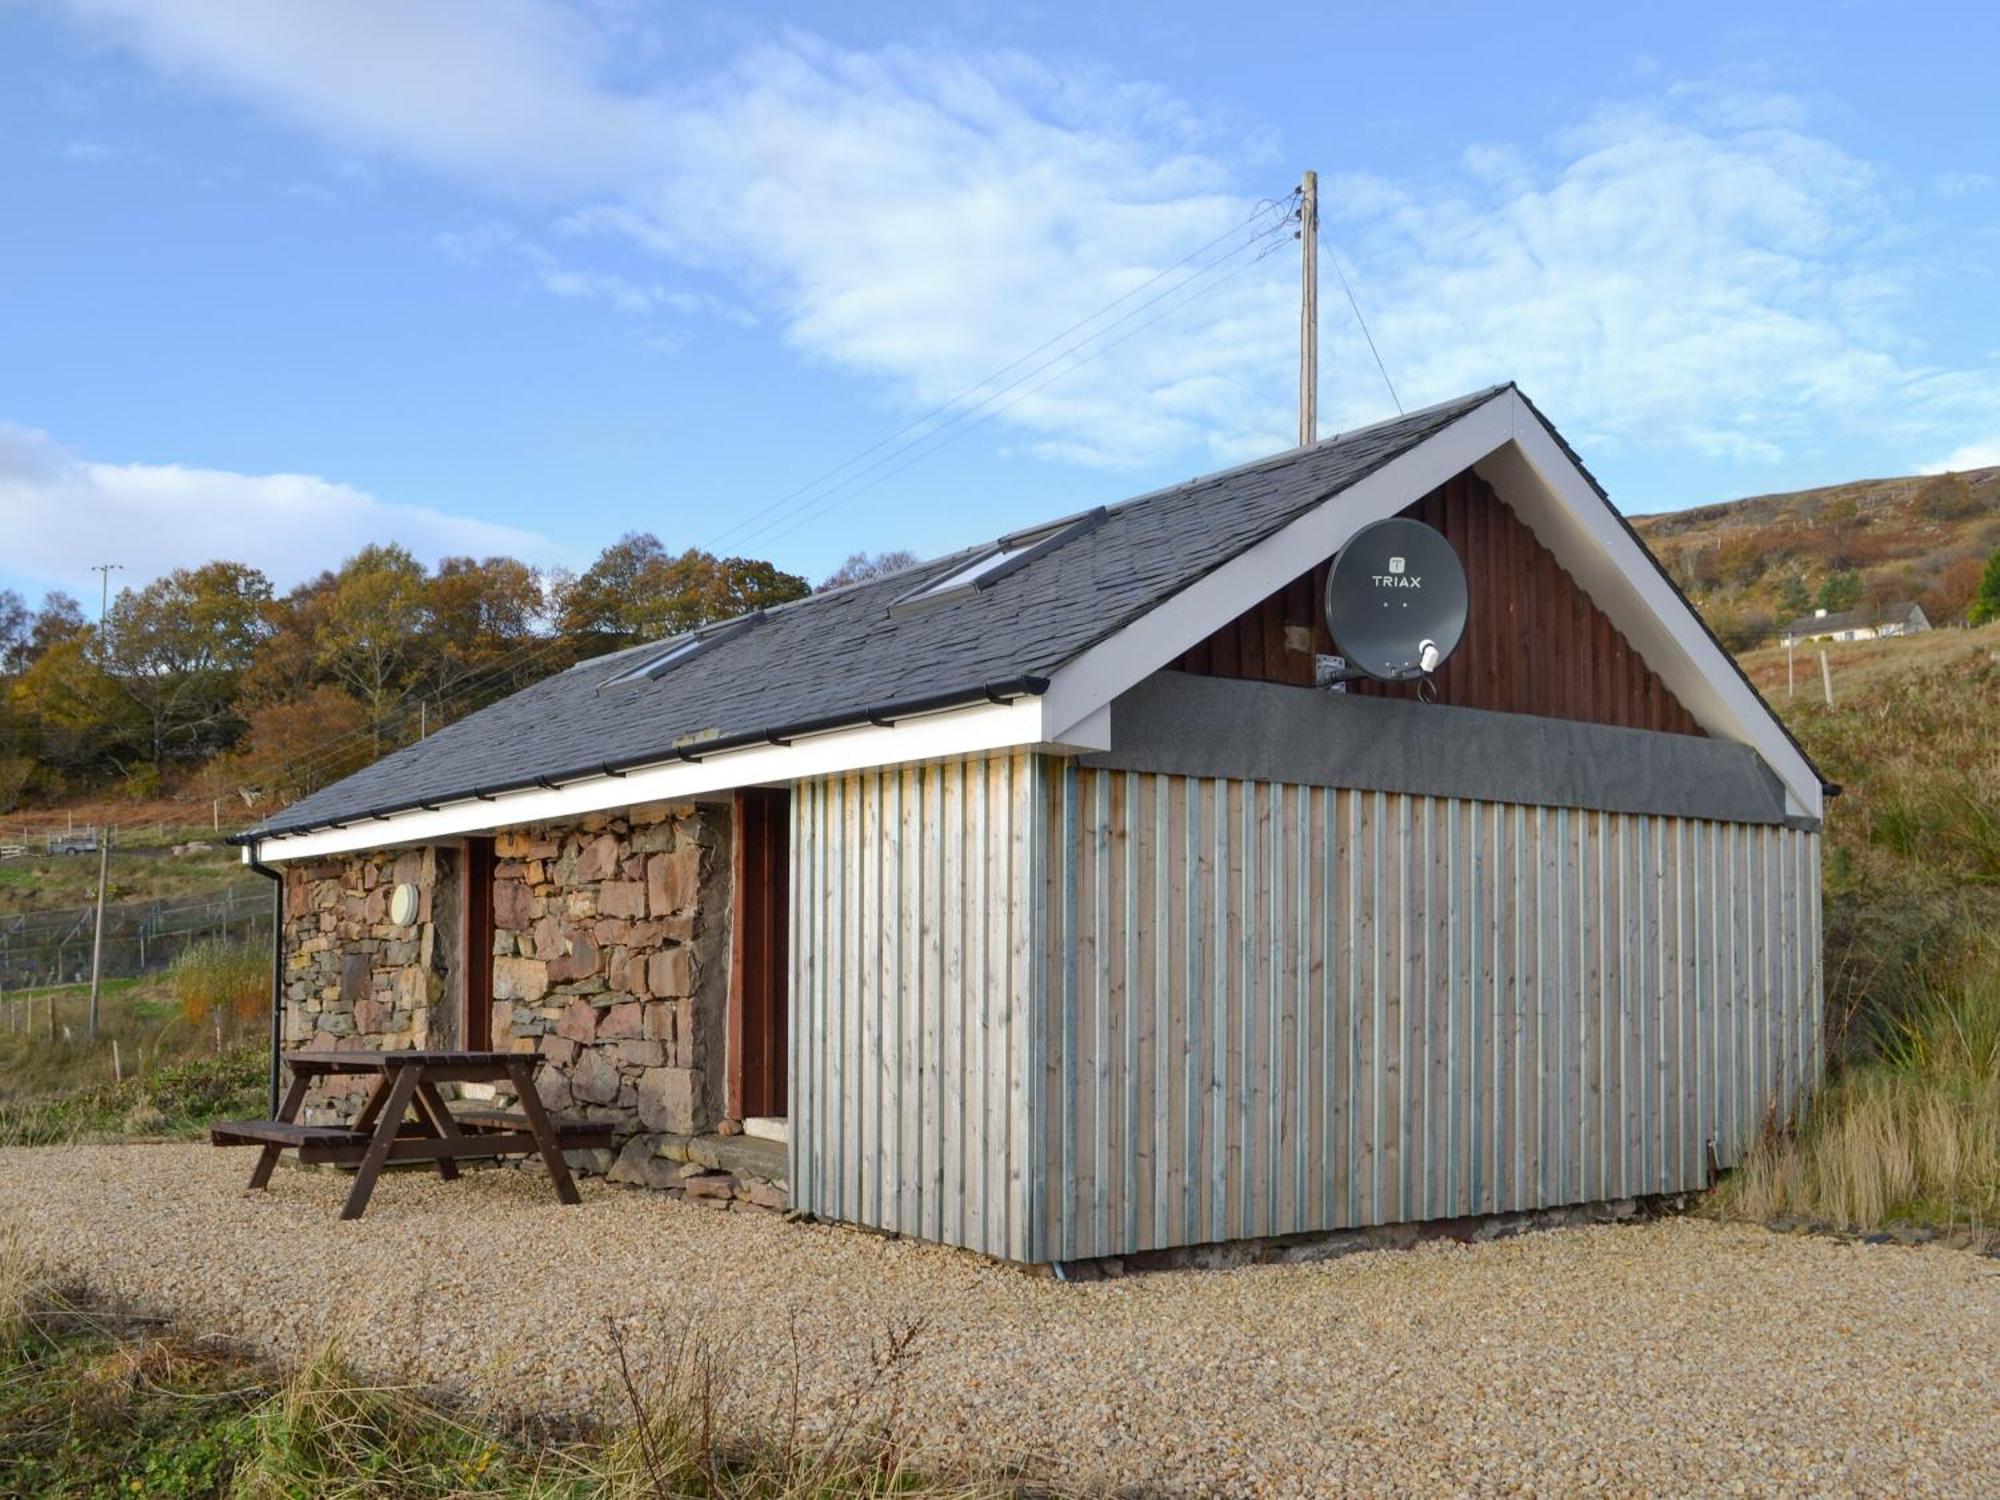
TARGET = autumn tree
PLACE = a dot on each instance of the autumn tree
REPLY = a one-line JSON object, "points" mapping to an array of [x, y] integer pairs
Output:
{"points": [[83, 724], [177, 647], [637, 591], [482, 614], [299, 745], [860, 567], [372, 638], [1948, 598]]}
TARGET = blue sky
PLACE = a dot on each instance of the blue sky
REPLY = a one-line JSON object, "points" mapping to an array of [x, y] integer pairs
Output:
{"points": [[509, 275]]}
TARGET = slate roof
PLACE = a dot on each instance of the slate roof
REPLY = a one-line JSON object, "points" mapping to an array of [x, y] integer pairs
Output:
{"points": [[842, 657]]}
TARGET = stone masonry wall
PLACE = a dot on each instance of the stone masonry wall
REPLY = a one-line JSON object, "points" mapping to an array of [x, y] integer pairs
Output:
{"points": [[611, 960], [353, 978]]}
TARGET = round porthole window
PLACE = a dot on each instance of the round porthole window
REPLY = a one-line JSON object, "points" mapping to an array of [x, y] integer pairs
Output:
{"points": [[403, 905]]}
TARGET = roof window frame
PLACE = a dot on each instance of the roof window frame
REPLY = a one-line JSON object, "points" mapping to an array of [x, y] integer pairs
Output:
{"points": [[685, 648], [1015, 551]]}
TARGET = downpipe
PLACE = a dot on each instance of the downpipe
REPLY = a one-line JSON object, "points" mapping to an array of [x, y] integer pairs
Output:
{"points": [[277, 972]]}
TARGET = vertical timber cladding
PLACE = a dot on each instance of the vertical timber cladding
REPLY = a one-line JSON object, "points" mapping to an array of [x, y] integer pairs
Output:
{"points": [[1534, 642], [913, 985], [1276, 1008]]}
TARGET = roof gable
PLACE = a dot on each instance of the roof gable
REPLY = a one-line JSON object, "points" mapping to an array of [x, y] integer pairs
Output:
{"points": [[1051, 642]]}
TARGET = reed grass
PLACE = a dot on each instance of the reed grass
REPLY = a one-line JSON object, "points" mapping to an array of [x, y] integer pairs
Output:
{"points": [[1910, 1133], [95, 1401], [217, 976]]}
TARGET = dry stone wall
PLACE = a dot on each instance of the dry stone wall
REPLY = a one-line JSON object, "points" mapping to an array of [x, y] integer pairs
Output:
{"points": [[355, 979], [610, 959]]}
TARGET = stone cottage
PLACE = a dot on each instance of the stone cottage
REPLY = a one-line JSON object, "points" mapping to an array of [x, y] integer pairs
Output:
{"points": [[1044, 900]]}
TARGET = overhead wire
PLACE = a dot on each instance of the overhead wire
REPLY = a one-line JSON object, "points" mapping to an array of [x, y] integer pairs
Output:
{"points": [[860, 481], [916, 457], [1264, 206], [919, 445], [1360, 321]]}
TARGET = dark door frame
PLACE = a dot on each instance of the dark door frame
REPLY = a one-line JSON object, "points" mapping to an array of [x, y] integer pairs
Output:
{"points": [[475, 926], [759, 957]]}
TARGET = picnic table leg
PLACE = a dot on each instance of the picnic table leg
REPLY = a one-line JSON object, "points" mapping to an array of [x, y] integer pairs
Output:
{"points": [[395, 1103], [267, 1157], [436, 1121], [545, 1135]]}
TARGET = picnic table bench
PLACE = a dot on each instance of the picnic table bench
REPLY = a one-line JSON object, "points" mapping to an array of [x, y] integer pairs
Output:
{"points": [[406, 1119]]}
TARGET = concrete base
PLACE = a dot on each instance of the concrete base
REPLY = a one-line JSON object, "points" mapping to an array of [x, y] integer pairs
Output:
{"points": [[1288, 1249]]}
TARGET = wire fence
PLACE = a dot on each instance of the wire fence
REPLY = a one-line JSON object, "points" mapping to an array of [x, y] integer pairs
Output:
{"points": [[140, 937]]}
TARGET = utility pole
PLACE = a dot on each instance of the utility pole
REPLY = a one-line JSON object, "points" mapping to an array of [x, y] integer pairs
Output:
{"points": [[1826, 678], [97, 942], [1309, 310], [104, 570], [1791, 689]]}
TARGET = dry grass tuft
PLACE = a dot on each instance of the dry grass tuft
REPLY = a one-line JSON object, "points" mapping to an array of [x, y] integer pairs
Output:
{"points": [[220, 976], [1912, 1133], [88, 1399]]}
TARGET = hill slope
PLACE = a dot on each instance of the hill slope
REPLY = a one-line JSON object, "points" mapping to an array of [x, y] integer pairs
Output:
{"points": [[1752, 564]]}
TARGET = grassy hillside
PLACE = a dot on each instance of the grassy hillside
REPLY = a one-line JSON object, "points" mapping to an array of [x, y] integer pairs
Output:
{"points": [[1909, 1127], [1752, 564]]}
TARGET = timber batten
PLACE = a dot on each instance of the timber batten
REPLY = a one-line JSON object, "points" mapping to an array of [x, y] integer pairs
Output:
{"points": [[1534, 641], [1177, 1010], [912, 989]]}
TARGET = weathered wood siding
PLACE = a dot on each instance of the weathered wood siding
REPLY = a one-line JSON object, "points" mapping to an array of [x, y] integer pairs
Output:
{"points": [[1534, 642], [1276, 1008], [913, 999]]}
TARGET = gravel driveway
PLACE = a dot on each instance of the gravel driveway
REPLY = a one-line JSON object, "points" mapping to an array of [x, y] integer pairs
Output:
{"points": [[1662, 1357]]}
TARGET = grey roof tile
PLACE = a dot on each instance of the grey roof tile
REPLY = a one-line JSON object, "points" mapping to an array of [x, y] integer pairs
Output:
{"points": [[842, 655]]}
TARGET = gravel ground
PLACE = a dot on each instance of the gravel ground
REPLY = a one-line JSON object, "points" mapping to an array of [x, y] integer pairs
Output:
{"points": [[1665, 1357]]}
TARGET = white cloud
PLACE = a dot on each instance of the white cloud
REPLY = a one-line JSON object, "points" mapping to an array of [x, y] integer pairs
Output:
{"points": [[1961, 184], [555, 276], [1970, 456], [60, 513], [1695, 271], [95, 153], [1680, 275]]}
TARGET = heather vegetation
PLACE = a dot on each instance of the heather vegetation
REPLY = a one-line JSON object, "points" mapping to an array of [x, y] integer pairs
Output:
{"points": [[1752, 565]]}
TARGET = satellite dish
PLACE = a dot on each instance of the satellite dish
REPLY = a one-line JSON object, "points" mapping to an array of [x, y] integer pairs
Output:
{"points": [[1395, 600]]}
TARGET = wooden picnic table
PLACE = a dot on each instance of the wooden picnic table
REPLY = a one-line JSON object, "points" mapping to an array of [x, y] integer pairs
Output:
{"points": [[406, 1119]]}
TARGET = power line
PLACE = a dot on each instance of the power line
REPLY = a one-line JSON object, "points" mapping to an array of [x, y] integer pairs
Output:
{"points": [[1264, 208], [1363, 323], [861, 481], [331, 753], [920, 444], [916, 457], [1178, 295]]}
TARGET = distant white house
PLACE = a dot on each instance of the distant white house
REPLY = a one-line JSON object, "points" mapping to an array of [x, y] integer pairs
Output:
{"points": [[1865, 624]]}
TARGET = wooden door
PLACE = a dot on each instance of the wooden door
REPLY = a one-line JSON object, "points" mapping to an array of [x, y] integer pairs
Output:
{"points": [[475, 926], [759, 953]]}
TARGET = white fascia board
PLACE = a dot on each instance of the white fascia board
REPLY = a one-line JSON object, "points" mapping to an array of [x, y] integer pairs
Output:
{"points": [[1542, 484], [1087, 684], [947, 735]]}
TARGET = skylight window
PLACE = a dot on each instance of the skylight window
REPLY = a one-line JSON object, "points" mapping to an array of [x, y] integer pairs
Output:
{"points": [[1005, 556], [971, 573], [685, 649]]}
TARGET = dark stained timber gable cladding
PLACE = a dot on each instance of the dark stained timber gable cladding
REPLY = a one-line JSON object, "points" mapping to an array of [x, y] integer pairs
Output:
{"points": [[1534, 642]]}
